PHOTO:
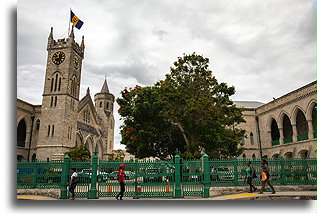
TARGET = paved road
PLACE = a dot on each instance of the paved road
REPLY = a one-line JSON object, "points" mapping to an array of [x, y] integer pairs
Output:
{"points": [[241, 196]]}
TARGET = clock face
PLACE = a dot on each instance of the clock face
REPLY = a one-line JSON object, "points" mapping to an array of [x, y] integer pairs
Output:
{"points": [[58, 57], [76, 62]]}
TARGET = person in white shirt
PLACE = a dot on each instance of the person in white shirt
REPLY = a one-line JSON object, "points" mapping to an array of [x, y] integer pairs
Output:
{"points": [[73, 182]]}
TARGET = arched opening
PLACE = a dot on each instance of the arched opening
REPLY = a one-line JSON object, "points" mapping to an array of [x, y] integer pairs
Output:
{"points": [[21, 133], [275, 134], [99, 149], [264, 156], [314, 119], [251, 138], [242, 141], [20, 158], [287, 129], [288, 155], [301, 126], [253, 156], [243, 156], [37, 124], [275, 156], [303, 154], [79, 140], [89, 145], [34, 157]]}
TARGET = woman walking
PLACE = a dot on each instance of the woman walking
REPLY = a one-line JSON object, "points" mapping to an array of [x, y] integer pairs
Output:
{"points": [[72, 184], [250, 174], [121, 181], [265, 173]]}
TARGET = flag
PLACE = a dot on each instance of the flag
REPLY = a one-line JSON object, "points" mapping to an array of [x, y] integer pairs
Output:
{"points": [[75, 20]]}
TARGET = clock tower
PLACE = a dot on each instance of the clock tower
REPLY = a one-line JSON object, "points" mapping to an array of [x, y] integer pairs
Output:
{"points": [[59, 112]]}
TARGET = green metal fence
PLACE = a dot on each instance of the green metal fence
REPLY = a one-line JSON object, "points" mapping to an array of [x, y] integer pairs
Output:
{"points": [[39, 175], [169, 178]]}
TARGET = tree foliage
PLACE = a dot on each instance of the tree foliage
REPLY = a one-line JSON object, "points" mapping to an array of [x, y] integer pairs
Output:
{"points": [[80, 153], [188, 110]]}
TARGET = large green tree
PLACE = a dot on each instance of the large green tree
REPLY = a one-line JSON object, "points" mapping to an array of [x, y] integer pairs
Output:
{"points": [[80, 153], [189, 109], [145, 131]]}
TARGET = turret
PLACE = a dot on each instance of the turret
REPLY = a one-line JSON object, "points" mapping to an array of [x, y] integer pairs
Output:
{"points": [[104, 101]]}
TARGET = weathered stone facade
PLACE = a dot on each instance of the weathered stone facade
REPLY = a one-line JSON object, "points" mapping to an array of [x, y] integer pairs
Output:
{"points": [[63, 121], [286, 126]]}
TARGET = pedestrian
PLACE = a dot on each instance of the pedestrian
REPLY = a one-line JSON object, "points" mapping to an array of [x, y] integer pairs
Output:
{"points": [[250, 175], [73, 182], [265, 177], [121, 182]]}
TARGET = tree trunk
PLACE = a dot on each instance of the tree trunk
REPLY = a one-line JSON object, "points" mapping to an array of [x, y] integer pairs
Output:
{"points": [[183, 132]]}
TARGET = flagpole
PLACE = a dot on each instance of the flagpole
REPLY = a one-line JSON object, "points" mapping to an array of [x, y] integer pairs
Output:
{"points": [[70, 10]]}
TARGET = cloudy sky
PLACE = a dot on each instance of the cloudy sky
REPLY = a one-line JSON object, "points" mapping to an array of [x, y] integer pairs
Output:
{"points": [[263, 48]]}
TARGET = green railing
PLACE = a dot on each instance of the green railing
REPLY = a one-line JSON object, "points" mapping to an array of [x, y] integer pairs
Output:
{"points": [[275, 142], [302, 137], [288, 140], [39, 174], [170, 178]]}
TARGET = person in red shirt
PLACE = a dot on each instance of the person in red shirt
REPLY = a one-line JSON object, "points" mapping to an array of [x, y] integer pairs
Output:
{"points": [[121, 181]]}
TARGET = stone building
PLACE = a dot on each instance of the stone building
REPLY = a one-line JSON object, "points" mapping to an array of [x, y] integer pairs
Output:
{"points": [[63, 121], [284, 127]]}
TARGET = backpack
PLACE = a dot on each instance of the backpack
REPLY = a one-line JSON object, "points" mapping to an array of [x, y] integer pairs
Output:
{"points": [[255, 176], [75, 180]]}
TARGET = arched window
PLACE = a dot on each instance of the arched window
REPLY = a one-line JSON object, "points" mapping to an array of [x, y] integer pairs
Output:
{"points": [[107, 105], [37, 125], [34, 157], [52, 101], [302, 126], [100, 105], [251, 138], [52, 83], [21, 133], [242, 141], [55, 101], [52, 130], [59, 84], [275, 133], [48, 130], [287, 129], [56, 79]]}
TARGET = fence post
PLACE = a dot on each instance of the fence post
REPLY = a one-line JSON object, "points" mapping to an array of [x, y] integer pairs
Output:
{"points": [[283, 180], [235, 172], [93, 191], [64, 178], [178, 190], [34, 175], [136, 162], [206, 176]]}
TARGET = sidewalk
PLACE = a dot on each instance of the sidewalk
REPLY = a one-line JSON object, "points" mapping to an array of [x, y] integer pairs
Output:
{"points": [[303, 195]]}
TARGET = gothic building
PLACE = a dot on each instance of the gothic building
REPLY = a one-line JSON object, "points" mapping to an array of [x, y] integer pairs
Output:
{"points": [[63, 121]]}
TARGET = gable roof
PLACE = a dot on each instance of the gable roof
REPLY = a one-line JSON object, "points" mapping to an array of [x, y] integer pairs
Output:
{"points": [[86, 100]]}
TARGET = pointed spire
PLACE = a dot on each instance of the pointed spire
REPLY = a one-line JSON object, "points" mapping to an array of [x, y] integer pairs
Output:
{"points": [[105, 88], [87, 91], [51, 34], [82, 45], [72, 35], [50, 41]]}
